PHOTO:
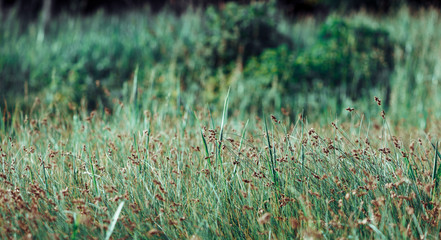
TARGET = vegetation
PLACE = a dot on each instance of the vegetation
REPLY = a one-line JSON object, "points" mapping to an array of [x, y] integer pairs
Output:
{"points": [[232, 123], [171, 174], [320, 67]]}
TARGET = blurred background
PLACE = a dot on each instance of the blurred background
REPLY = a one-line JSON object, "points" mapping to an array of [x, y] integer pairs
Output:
{"points": [[315, 57]]}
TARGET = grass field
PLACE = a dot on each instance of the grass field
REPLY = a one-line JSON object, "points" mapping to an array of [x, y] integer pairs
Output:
{"points": [[197, 174], [134, 127]]}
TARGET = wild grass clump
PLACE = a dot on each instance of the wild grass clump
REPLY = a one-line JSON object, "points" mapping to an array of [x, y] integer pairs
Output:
{"points": [[204, 174]]}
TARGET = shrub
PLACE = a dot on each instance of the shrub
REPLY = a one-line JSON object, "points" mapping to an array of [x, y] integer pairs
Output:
{"points": [[238, 31], [349, 59], [353, 56], [347, 54]]}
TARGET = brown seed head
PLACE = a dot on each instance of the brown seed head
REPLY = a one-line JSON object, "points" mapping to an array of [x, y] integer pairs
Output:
{"points": [[377, 100], [154, 232], [265, 218]]}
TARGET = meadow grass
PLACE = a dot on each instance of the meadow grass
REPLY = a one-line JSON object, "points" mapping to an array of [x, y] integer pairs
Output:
{"points": [[140, 174], [168, 161]]}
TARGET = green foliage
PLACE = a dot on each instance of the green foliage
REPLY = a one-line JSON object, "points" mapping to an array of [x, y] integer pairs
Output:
{"points": [[349, 57], [76, 53], [270, 73], [74, 56], [273, 64], [194, 57], [348, 54], [242, 31]]}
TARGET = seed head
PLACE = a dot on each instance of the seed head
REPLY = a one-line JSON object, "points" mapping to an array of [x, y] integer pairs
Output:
{"points": [[265, 218], [377, 100], [154, 232]]}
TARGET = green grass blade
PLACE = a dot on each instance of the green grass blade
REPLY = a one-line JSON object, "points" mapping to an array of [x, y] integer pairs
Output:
{"points": [[435, 174], [147, 143], [377, 231], [45, 176], [75, 226], [271, 162], [114, 220], [133, 96], [207, 154], [224, 116], [240, 145], [2, 122], [93, 174]]}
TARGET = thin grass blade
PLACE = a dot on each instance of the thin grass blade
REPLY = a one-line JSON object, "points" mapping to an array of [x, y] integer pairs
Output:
{"points": [[114, 220]]}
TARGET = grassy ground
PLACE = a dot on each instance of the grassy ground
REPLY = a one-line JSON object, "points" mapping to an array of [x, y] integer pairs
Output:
{"points": [[180, 174], [176, 155]]}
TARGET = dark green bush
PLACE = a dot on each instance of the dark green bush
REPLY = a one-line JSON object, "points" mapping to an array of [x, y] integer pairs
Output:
{"points": [[226, 37], [348, 60], [355, 56], [350, 56], [238, 32], [268, 74]]}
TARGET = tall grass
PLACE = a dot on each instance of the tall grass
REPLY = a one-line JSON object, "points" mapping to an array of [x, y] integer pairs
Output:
{"points": [[164, 160], [276, 180]]}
